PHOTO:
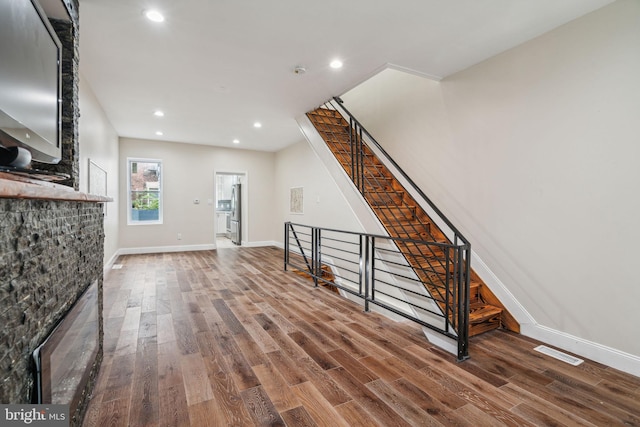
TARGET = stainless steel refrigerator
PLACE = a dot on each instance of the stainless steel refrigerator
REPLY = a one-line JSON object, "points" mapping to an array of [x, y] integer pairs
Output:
{"points": [[236, 212]]}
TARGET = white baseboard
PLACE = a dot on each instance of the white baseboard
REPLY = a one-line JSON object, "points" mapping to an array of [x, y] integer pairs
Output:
{"points": [[107, 266], [262, 243], [153, 250], [161, 249], [187, 248], [612, 357]]}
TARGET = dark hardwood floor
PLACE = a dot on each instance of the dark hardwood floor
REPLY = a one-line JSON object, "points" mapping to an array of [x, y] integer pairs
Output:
{"points": [[227, 338]]}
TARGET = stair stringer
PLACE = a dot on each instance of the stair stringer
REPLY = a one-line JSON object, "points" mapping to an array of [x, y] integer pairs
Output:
{"points": [[367, 219]]}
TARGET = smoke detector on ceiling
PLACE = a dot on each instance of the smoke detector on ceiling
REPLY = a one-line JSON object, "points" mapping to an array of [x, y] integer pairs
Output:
{"points": [[299, 70]]}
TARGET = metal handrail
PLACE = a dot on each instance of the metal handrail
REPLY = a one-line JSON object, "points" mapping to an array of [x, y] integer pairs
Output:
{"points": [[372, 274]]}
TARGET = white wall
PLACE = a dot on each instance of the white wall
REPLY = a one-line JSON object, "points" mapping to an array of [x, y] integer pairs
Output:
{"points": [[99, 142], [534, 154], [188, 174], [324, 204]]}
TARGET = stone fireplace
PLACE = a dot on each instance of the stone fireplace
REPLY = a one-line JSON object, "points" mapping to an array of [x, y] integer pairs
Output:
{"points": [[51, 251]]}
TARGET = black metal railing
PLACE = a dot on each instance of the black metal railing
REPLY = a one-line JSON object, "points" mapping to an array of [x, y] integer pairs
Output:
{"points": [[373, 269]]}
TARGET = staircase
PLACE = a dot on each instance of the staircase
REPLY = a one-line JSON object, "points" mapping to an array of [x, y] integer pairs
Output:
{"points": [[403, 217]]}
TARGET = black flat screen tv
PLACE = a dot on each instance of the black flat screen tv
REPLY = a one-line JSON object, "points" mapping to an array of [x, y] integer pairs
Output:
{"points": [[30, 81]]}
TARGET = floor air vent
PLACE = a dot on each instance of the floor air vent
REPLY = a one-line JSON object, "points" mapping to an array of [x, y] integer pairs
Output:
{"points": [[559, 355]]}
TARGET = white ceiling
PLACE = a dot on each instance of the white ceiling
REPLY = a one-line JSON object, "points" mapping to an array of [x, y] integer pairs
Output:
{"points": [[217, 66]]}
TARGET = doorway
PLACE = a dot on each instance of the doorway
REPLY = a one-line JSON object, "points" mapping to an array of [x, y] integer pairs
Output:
{"points": [[230, 201]]}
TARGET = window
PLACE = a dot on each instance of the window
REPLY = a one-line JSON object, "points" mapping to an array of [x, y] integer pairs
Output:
{"points": [[144, 182]]}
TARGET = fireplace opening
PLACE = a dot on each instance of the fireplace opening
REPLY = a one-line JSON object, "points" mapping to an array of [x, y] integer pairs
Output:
{"points": [[65, 360]]}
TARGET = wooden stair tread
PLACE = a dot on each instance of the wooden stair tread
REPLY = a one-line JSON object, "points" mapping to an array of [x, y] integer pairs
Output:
{"points": [[343, 127], [413, 225], [483, 318], [384, 198], [481, 310], [336, 136], [395, 212], [408, 207], [325, 112], [414, 235], [381, 193], [344, 157], [374, 179], [389, 222]]}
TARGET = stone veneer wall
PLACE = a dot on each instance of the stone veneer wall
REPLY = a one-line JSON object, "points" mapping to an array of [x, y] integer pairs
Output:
{"points": [[50, 252], [68, 33]]}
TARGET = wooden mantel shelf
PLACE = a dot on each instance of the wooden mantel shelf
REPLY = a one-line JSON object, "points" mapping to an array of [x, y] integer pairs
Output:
{"points": [[18, 187]]}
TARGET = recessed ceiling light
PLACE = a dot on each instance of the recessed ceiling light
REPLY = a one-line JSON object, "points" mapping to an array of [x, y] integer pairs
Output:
{"points": [[159, 133], [336, 63], [257, 125], [158, 113], [154, 15], [236, 141]]}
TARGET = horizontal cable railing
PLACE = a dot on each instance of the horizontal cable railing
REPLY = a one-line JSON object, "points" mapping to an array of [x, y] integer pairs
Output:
{"points": [[371, 268]]}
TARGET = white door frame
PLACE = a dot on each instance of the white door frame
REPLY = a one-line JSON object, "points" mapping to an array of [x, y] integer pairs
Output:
{"points": [[244, 200]]}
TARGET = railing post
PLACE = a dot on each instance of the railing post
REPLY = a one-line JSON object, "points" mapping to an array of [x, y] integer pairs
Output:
{"points": [[449, 289], [318, 255], [315, 267], [361, 265], [462, 281], [372, 266], [352, 149], [286, 245], [364, 260], [360, 158]]}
